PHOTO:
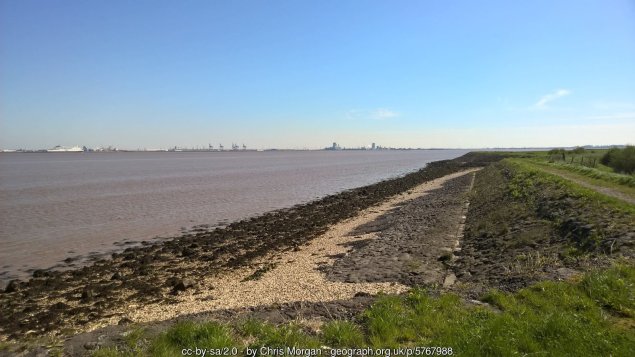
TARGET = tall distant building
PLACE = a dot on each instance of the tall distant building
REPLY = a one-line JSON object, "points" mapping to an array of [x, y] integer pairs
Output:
{"points": [[372, 146], [334, 147]]}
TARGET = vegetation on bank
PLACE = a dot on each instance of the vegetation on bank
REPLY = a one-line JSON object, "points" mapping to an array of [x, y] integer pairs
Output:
{"points": [[604, 177], [593, 164], [590, 316], [621, 160], [528, 222], [529, 175], [616, 161]]}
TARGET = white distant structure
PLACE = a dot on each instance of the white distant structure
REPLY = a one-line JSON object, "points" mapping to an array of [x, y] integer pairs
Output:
{"points": [[60, 148]]}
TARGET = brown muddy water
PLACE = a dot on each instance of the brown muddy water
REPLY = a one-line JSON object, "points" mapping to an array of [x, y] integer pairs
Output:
{"points": [[59, 205]]}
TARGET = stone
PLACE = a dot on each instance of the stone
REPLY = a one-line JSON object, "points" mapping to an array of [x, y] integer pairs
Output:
{"points": [[13, 285], [92, 345], [124, 321], [450, 279], [182, 285], [87, 295], [40, 273]]}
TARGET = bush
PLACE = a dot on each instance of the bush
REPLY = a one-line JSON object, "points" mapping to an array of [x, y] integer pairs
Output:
{"points": [[620, 160], [606, 158]]}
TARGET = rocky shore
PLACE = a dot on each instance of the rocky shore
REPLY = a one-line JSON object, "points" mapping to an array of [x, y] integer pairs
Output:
{"points": [[415, 241], [157, 273]]}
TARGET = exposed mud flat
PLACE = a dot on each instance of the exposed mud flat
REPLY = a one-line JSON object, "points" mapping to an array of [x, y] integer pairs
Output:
{"points": [[157, 273]]}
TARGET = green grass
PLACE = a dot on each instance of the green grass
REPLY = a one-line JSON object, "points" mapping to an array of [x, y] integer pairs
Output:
{"points": [[588, 317], [578, 164], [601, 177], [264, 334], [530, 174], [552, 318], [191, 335], [342, 334], [613, 289], [134, 338]]}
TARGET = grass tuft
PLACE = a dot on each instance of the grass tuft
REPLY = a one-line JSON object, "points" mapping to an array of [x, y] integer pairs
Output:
{"points": [[190, 335], [613, 289], [342, 334]]}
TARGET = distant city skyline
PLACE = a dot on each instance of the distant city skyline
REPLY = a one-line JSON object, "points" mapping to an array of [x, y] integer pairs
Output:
{"points": [[289, 74]]}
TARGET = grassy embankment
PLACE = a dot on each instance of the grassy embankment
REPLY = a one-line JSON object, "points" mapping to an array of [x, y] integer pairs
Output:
{"points": [[591, 314], [524, 224], [584, 165]]}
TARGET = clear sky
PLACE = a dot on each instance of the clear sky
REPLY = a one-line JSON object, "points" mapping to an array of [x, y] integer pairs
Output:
{"points": [[302, 74]]}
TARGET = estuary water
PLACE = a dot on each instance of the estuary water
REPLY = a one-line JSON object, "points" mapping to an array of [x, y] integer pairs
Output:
{"points": [[59, 205]]}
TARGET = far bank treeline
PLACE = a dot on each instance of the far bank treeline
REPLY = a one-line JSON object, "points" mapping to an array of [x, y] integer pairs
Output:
{"points": [[620, 160]]}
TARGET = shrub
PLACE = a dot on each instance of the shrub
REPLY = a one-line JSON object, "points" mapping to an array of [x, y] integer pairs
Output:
{"points": [[606, 158], [620, 160]]}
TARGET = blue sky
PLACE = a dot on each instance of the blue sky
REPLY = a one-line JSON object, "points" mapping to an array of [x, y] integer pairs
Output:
{"points": [[302, 74]]}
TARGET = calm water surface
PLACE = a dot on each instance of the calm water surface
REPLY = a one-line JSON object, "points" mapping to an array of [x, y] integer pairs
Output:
{"points": [[56, 205]]}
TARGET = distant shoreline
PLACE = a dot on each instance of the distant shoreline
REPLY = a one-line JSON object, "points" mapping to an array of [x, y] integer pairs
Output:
{"points": [[589, 147]]}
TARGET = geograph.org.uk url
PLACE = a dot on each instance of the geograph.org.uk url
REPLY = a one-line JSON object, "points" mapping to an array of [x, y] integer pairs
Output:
{"points": [[388, 352]]}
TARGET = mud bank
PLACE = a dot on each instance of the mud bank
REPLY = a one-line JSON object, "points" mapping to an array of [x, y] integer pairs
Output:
{"points": [[157, 272]]}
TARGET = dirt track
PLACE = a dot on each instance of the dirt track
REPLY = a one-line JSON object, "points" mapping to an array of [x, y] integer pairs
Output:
{"points": [[604, 190]]}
